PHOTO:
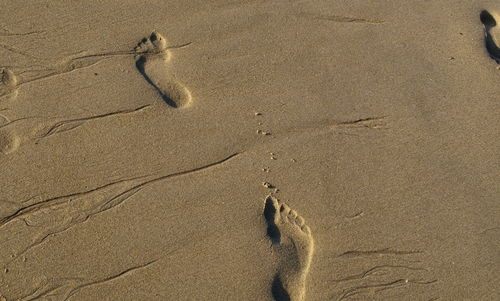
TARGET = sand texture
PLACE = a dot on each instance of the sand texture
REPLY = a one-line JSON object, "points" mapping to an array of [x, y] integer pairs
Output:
{"points": [[249, 150]]}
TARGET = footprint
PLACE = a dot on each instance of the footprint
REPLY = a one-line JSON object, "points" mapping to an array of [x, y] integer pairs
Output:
{"points": [[9, 142], [8, 82], [152, 62], [294, 244], [490, 25]]}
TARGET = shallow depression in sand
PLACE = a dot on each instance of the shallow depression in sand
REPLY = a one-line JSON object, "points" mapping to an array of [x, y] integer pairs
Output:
{"points": [[9, 142]]}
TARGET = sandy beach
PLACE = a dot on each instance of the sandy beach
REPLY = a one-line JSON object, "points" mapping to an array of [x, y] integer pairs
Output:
{"points": [[249, 150]]}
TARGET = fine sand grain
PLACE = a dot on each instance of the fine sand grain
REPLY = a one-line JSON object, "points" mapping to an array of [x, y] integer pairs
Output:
{"points": [[249, 150]]}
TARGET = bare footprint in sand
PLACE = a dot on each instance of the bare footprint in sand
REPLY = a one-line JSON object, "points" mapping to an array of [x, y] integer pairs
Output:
{"points": [[294, 244], [490, 26], [8, 82], [152, 62], [9, 142]]}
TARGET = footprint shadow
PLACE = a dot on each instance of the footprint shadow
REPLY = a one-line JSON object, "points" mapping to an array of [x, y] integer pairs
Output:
{"points": [[278, 291], [140, 66], [269, 214]]}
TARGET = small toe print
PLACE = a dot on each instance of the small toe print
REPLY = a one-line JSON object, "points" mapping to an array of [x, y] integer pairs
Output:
{"points": [[284, 210], [300, 221]]}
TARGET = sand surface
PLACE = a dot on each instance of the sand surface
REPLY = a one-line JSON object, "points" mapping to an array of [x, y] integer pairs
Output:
{"points": [[249, 150]]}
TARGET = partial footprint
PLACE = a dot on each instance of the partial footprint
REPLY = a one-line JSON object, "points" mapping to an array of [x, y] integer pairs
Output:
{"points": [[9, 141], [490, 27], [294, 244], [9, 82], [153, 56], [3, 120]]}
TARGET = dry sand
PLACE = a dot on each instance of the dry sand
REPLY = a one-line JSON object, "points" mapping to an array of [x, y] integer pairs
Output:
{"points": [[249, 150]]}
